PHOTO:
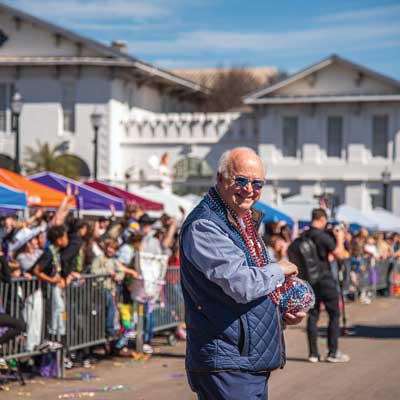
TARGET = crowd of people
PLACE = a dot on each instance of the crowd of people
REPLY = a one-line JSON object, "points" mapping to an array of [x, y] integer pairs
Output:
{"points": [[361, 249], [57, 247]]}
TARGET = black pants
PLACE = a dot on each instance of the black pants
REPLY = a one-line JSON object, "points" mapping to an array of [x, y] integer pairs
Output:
{"points": [[326, 292], [15, 327]]}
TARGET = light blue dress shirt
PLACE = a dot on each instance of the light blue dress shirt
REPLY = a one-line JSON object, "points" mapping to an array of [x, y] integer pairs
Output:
{"points": [[213, 253]]}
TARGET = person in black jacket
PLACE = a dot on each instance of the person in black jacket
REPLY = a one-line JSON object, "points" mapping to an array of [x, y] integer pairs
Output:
{"points": [[72, 256], [15, 325], [325, 288]]}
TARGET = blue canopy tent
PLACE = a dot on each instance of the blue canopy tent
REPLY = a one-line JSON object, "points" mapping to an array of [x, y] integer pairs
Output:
{"points": [[89, 201], [272, 214], [11, 199]]}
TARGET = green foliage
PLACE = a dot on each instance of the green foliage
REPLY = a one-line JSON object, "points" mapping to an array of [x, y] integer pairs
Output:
{"points": [[47, 158]]}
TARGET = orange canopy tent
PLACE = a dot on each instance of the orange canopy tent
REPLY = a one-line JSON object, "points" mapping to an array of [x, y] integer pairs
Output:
{"points": [[37, 194]]}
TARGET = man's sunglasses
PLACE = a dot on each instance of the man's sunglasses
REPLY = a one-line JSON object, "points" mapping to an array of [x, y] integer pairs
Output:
{"points": [[242, 181]]}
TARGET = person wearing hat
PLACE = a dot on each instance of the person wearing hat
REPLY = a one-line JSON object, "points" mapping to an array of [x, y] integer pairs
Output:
{"points": [[26, 247], [150, 243]]}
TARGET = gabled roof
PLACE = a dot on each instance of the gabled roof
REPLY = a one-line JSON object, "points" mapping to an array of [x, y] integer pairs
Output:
{"points": [[105, 51], [257, 97]]}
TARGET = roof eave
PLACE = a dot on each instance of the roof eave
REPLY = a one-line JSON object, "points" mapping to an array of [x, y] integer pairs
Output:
{"points": [[323, 99]]}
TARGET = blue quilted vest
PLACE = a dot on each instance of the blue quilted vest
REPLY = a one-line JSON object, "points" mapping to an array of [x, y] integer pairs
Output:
{"points": [[222, 334]]}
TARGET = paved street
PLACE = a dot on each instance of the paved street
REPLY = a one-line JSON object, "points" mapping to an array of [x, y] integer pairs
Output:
{"points": [[373, 373]]}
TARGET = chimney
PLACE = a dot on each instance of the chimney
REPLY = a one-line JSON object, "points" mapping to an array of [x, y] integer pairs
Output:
{"points": [[119, 45]]}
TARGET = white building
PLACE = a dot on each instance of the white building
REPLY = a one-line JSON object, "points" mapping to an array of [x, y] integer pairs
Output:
{"points": [[63, 77], [332, 128]]}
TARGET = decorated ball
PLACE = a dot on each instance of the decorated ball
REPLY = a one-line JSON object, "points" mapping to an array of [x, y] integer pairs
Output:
{"points": [[295, 295]]}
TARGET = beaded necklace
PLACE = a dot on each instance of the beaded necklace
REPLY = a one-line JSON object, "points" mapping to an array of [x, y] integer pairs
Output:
{"points": [[248, 234]]}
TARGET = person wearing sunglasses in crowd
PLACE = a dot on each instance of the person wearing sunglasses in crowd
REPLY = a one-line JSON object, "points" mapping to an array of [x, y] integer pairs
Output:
{"points": [[234, 331]]}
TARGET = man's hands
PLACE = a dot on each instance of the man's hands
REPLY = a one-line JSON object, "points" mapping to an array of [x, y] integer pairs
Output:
{"points": [[288, 268], [293, 319]]}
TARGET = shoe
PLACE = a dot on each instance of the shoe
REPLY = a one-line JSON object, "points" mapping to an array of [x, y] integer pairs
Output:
{"points": [[68, 363], [366, 300], [55, 345], [3, 363], [86, 363], [339, 357], [130, 334], [147, 349], [314, 359]]}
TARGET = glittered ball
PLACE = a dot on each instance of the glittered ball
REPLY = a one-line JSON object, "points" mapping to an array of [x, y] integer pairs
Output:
{"points": [[295, 295]]}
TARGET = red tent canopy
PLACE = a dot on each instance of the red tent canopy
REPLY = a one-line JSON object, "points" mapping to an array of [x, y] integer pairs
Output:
{"points": [[147, 205]]}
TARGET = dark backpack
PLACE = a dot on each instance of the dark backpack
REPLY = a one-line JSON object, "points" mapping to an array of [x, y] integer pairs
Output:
{"points": [[303, 253]]}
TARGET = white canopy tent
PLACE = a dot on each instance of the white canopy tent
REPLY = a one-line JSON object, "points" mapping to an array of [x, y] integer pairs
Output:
{"points": [[385, 220], [353, 215], [299, 207], [171, 201]]}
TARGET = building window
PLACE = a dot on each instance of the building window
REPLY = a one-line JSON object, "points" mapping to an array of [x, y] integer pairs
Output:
{"points": [[3, 107], [6, 93], [192, 168], [290, 133], [68, 106], [335, 137], [380, 126], [376, 200]]}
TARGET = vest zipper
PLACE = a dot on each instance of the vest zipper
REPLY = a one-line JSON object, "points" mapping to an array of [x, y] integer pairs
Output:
{"points": [[281, 360]]}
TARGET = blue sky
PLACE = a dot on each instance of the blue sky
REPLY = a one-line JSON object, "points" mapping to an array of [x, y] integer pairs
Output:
{"points": [[288, 34]]}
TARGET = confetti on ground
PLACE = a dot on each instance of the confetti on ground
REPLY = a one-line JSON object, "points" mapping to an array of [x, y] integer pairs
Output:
{"points": [[80, 394], [174, 376], [84, 376], [24, 394]]}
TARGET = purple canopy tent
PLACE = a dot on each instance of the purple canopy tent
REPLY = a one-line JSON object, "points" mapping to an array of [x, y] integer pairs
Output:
{"points": [[88, 201]]}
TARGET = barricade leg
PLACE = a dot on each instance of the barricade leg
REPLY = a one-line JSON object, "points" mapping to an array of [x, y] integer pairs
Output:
{"points": [[140, 328]]}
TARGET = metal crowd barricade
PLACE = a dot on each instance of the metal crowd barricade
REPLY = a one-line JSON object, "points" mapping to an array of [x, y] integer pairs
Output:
{"points": [[168, 312], [365, 274], [23, 299], [86, 312]]}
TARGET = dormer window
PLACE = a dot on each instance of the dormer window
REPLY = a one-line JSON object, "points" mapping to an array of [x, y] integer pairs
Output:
{"points": [[3, 38]]}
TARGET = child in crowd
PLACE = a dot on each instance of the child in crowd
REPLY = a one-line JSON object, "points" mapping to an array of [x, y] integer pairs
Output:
{"points": [[109, 264]]}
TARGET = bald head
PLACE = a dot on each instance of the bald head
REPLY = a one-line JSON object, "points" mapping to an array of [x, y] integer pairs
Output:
{"points": [[232, 160]]}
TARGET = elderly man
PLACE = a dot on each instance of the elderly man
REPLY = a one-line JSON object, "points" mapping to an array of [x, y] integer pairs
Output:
{"points": [[234, 330]]}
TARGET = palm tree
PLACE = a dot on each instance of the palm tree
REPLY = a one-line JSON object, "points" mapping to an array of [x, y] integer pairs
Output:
{"points": [[49, 158]]}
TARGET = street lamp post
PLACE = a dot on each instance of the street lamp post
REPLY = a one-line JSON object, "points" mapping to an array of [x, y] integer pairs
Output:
{"points": [[97, 120], [385, 181], [16, 108]]}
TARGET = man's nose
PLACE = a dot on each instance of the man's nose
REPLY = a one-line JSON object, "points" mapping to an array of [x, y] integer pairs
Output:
{"points": [[248, 187]]}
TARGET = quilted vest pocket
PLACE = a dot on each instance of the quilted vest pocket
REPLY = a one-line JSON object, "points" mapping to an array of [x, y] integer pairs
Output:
{"points": [[222, 322]]}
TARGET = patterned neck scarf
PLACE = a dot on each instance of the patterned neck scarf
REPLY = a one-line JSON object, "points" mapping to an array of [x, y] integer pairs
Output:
{"points": [[244, 228]]}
